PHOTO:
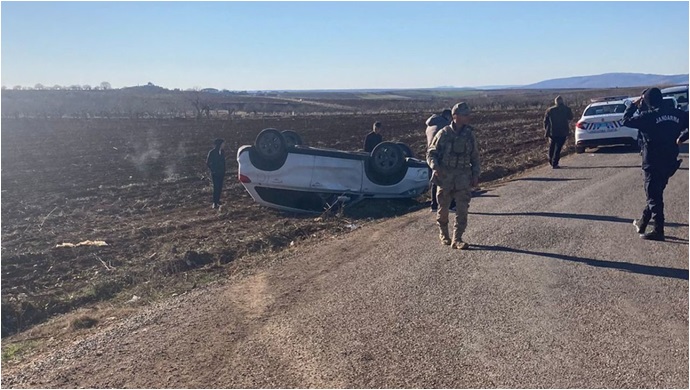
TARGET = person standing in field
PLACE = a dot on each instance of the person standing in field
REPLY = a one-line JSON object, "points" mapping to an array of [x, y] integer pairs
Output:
{"points": [[215, 161], [435, 123], [374, 138], [453, 157], [557, 126]]}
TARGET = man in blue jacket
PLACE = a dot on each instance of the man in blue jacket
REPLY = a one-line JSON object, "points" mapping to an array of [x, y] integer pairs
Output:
{"points": [[661, 127]]}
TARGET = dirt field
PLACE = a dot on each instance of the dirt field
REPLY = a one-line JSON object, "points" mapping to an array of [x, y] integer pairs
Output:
{"points": [[142, 187]]}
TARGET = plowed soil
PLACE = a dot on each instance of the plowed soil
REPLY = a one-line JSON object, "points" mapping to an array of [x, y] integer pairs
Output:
{"points": [[143, 188]]}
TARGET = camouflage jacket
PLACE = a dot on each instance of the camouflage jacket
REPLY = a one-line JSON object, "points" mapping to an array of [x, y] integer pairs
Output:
{"points": [[454, 152]]}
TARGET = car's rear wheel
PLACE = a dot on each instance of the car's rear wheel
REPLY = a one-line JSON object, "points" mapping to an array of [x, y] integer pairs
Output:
{"points": [[291, 138], [270, 150], [387, 158], [386, 164]]}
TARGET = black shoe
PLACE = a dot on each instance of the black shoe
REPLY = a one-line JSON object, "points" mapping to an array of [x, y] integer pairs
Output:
{"points": [[653, 236], [556, 167], [638, 225]]}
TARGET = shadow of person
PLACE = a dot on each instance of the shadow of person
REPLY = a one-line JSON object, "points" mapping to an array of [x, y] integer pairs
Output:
{"points": [[666, 272]]}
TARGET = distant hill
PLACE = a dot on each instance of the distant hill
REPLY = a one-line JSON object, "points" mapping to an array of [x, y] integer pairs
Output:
{"points": [[610, 80]]}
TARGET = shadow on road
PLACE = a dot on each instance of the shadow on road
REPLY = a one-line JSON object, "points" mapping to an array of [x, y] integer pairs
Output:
{"points": [[604, 167], [676, 273], [619, 149], [548, 179], [482, 194], [589, 217]]}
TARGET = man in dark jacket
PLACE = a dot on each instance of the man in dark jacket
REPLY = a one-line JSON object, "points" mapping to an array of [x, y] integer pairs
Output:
{"points": [[661, 128], [215, 161], [557, 126], [435, 123], [374, 138]]}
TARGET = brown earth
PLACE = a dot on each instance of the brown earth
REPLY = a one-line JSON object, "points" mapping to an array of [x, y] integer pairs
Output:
{"points": [[142, 186]]}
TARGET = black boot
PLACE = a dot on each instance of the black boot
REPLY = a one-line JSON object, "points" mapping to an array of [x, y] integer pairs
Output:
{"points": [[657, 234]]}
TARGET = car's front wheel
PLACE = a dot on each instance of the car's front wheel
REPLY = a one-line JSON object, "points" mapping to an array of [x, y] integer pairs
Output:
{"points": [[270, 150]]}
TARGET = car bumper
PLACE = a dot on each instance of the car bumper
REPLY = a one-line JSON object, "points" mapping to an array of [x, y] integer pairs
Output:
{"points": [[623, 135]]}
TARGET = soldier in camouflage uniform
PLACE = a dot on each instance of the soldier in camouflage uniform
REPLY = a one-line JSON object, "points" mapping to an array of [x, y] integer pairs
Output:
{"points": [[454, 158]]}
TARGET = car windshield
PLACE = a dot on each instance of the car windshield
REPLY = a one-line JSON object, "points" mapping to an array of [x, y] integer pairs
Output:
{"points": [[681, 96], [617, 108]]}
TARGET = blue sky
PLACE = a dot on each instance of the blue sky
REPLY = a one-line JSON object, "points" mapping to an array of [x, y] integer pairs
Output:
{"points": [[336, 45]]}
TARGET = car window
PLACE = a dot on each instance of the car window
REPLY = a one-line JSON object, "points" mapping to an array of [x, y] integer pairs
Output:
{"points": [[681, 96], [617, 108]]}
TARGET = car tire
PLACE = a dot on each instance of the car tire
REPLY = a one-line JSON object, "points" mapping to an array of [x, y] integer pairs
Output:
{"points": [[579, 149], [387, 158], [270, 150], [407, 152], [291, 138], [386, 164]]}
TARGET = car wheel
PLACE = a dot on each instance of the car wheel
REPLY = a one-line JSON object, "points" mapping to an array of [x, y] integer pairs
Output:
{"points": [[387, 158], [407, 152], [270, 150], [291, 138], [579, 149]]}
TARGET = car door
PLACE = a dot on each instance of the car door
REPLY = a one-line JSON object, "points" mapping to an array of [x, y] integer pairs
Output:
{"points": [[339, 172]]}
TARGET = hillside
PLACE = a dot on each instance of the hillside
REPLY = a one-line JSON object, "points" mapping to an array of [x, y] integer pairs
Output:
{"points": [[611, 80]]}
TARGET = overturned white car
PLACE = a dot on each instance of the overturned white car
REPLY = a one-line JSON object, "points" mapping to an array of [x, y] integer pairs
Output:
{"points": [[279, 172]]}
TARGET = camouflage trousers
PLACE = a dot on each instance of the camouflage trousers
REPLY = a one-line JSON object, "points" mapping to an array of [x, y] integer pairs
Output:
{"points": [[462, 193]]}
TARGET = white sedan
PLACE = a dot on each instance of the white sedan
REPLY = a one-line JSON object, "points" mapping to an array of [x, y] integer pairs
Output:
{"points": [[602, 124], [279, 172]]}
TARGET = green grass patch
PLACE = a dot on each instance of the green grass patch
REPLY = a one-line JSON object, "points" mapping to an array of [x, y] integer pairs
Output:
{"points": [[15, 350]]}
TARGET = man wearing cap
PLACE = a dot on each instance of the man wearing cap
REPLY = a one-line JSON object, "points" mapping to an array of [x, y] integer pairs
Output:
{"points": [[215, 161], [453, 156], [557, 127], [435, 123], [662, 128]]}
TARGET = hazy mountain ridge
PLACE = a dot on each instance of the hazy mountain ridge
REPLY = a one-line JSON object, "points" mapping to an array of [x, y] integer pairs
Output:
{"points": [[610, 80]]}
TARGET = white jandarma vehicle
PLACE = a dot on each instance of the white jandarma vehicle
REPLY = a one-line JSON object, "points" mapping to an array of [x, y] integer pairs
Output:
{"points": [[601, 124], [279, 172], [680, 93]]}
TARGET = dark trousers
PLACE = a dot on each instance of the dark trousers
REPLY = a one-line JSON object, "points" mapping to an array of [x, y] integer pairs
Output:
{"points": [[555, 150], [654, 186], [218, 180]]}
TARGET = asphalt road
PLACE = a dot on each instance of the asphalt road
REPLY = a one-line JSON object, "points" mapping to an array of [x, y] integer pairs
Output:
{"points": [[556, 291]]}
